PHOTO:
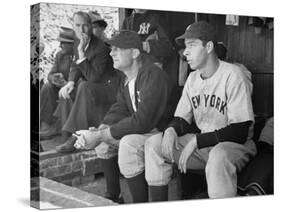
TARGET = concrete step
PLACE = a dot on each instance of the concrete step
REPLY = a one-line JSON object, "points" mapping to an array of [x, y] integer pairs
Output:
{"points": [[49, 194]]}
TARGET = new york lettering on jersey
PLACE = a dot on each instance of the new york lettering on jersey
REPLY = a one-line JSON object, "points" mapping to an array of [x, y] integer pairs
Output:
{"points": [[208, 100]]}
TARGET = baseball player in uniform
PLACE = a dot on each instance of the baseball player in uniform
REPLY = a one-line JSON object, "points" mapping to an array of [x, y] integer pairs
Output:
{"points": [[217, 97], [142, 109]]}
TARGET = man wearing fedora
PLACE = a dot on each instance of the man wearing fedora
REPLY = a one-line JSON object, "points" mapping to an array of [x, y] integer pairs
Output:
{"points": [[143, 108], [56, 79], [92, 83], [98, 24]]}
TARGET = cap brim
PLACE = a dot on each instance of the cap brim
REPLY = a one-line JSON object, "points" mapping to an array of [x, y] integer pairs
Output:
{"points": [[180, 40], [114, 43], [119, 44]]}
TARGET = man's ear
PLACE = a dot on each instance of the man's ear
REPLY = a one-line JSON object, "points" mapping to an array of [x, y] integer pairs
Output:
{"points": [[210, 46], [136, 53]]}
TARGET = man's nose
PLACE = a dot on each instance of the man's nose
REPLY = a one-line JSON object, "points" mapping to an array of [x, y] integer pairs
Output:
{"points": [[84, 29], [186, 52]]}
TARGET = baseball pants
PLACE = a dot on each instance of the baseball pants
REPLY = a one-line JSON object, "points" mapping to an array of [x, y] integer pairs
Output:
{"points": [[130, 151], [221, 163]]}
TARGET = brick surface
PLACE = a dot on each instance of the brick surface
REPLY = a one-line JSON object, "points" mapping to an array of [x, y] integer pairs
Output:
{"points": [[65, 159], [68, 177], [89, 154], [65, 169], [77, 165], [92, 167], [48, 163], [77, 156], [51, 172]]}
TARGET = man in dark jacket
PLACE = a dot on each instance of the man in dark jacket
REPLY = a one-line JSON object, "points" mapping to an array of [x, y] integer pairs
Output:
{"points": [[98, 83], [56, 79], [142, 108]]}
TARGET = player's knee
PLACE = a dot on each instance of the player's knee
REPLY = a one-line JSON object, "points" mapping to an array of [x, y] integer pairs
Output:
{"points": [[153, 144], [126, 149], [218, 158], [128, 156], [127, 144]]}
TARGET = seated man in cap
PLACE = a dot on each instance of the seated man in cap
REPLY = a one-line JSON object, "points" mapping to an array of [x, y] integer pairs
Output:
{"points": [[93, 75], [217, 97], [143, 107], [98, 24], [56, 79]]}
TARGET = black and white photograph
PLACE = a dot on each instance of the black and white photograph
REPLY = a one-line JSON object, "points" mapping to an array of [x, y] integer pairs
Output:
{"points": [[138, 106]]}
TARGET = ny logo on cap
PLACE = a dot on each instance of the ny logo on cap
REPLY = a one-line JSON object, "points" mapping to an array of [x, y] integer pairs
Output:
{"points": [[144, 28]]}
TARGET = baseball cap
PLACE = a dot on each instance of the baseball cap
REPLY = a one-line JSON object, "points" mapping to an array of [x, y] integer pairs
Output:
{"points": [[201, 30], [126, 39]]}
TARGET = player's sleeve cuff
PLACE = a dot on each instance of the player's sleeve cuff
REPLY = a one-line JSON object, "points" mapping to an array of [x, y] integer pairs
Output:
{"points": [[206, 139]]}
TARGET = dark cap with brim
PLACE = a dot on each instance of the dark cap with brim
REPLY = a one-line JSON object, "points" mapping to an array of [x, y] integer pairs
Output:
{"points": [[126, 39], [66, 35], [101, 23], [199, 30]]}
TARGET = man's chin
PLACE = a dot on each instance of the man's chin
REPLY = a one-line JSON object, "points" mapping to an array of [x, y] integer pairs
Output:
{"points": [[116, 66]]}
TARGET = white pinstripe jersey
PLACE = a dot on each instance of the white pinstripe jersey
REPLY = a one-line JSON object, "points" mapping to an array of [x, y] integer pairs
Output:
{"points": [[218, 101]]}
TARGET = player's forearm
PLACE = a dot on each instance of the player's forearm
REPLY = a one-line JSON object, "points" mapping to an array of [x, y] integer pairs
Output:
{"points": [[180, 125], [237, 133]]}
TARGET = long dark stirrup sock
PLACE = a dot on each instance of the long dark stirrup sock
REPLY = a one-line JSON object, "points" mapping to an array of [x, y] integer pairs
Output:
{"points": [[111, 174], [158, 193], [138, 188]]}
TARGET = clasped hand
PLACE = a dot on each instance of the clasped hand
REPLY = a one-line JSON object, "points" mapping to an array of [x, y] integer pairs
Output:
{"points": [[87, 139]]}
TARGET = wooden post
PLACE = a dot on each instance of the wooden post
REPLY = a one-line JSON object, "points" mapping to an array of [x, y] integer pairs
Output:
{"points": [[196, 17], [122, 16]]}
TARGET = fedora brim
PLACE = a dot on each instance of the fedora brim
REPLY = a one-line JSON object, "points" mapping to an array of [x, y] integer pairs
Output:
{"points": [[100, 22], [65, 40]]}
